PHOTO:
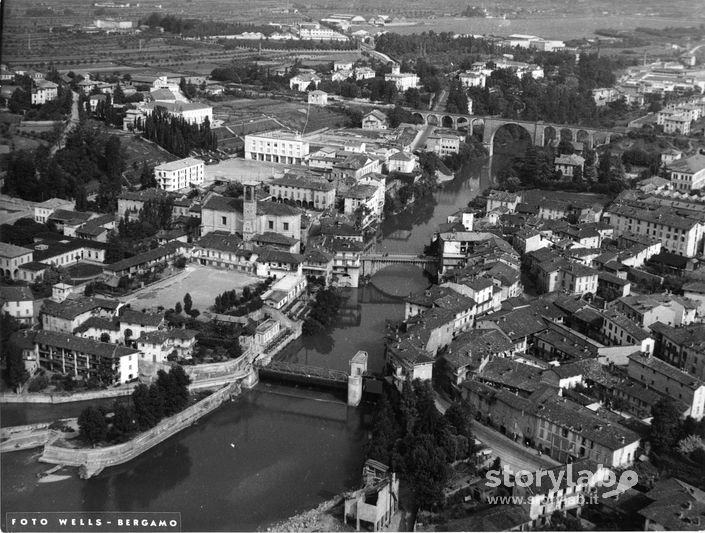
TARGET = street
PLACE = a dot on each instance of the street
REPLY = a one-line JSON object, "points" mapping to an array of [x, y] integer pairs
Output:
{"points": [[512, 454], [70, 125]]}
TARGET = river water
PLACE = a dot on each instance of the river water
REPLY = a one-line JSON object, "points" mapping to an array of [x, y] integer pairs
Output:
{"points": [[275, 451]]}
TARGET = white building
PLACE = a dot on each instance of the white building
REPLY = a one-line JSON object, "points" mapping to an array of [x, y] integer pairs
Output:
{"points": [[277, 147], [18, 302], [301, 82], [679, 234], [318, 98], [472, 79], [402, 162], [687, 174], [44, 91], [180, 174], [193, 113], [403, 80]]}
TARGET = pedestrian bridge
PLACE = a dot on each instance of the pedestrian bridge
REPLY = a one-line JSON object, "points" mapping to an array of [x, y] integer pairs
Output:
{"points": [[374, 262], [286, 371]]}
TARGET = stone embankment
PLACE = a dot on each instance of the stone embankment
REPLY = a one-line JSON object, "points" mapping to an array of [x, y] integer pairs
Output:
{"points": [[16, 438], [326, 517], [91, 461]]}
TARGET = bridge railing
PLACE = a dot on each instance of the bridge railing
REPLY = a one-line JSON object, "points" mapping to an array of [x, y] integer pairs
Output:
{"points": [[297, 369]]}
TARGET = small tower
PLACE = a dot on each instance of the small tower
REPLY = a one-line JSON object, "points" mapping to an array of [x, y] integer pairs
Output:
{"points": [[249, 211], [358, 367]]}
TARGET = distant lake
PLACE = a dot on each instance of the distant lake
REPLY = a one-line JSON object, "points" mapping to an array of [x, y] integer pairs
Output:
{"points": [[564, 28]]}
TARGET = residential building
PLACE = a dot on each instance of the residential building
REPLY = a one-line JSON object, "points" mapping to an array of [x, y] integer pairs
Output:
{"points": [[569, 165], [401, 162], [674, 506], [617, 329], [302, 82], [285, 291], [44, 91], [403, 80], [647, 309], [219, 249], [68, 315], [148, 261], [375, 120], [473, 350], [160, 346], [43, 210], [180, 174], [304, 190], [319, 98], [12, 258], [687, 174], [277, 147], [669, 380], [677, 123], [472, 79], [557, 426], [679, 232], [695, 291], [683, 347], [444, 142], [407, 361], [18, 302], [85, 358]]}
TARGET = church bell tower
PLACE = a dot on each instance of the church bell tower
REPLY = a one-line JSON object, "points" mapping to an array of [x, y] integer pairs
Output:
{"points": [[249, 211]]}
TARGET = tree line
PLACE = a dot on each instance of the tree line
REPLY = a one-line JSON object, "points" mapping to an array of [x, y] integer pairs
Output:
{"points": [[176, 135], [148, 405], [415, 440]]}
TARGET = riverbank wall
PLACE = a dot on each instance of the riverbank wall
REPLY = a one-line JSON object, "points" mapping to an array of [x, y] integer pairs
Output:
{"points": [[91, 461], [66, 397]]}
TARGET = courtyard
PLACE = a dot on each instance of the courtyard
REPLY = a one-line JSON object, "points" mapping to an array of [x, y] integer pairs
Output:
{"points": [[202, 283]]}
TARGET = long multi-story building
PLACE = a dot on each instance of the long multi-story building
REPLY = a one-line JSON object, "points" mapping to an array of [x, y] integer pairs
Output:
{"points": [[85, 358], [683, 347], [180, 174], [559, 427], [669, 380], [276, 147], [304, 190], [680, 233]]}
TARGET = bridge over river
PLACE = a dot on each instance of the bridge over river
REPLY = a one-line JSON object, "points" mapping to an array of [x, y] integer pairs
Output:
{"points": [[372, 263], [541, 133]]}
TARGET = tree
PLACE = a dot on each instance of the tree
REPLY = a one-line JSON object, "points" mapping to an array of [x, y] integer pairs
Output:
{"points": [[16, 373], [128, 335], [427, 470], [177, 308], [188, 303], [145, 417], [124, 423], [92, 425], [105, 337], [664, 425]]}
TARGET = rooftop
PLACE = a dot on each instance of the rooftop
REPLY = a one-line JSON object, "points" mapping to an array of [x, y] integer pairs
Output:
{"points": [[10, 250], [179, 164], [88, 346], [670, 371]]}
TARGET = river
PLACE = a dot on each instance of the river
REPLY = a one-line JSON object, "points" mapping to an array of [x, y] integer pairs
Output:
{"points": [[291, 448]]}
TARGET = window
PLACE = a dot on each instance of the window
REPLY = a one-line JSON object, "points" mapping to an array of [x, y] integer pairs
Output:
{"points": [[286, 226], [271, 224], [223, 220]]}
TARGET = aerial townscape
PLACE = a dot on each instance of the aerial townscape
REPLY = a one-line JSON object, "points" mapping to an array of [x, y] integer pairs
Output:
{"points": [[375, 266]]}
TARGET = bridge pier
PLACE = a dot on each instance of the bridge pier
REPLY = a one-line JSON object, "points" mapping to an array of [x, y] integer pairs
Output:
{"points": [[358, 366], [251, 380]]}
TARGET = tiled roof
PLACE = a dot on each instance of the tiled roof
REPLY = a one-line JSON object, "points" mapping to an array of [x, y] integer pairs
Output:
{"points": [[10, 250], [130, 316], [273, 255], [299, 181], [518, 324], [270, 237], [224, 203], [220, 240], [471, 347], [98, 322], [670, 371], [70, 309], [512, 374], [151, 255], [16, 294], [276, 209], [88, 346]]}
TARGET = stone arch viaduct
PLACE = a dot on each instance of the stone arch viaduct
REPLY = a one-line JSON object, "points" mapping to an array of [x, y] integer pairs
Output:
{"points": [[540, 133]]}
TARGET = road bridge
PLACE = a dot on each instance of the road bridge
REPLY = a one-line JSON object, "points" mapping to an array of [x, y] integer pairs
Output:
{"points": [[374, 262]]}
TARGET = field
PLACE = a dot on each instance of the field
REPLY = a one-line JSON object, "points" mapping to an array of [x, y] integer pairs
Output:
{"points": [[202, 283], [137, 151], [246, 115]]}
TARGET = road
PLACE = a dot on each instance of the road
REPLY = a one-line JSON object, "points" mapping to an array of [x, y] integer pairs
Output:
{"points": [[72, 123], [420, 140], [511, 454]]}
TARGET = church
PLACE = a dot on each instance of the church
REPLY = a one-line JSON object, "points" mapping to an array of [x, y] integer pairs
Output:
{"points": [[248, 216]]}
